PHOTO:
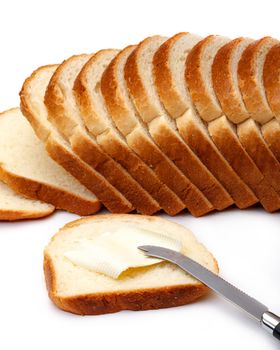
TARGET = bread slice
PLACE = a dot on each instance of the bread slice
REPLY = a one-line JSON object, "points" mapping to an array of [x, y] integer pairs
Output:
{"points": [[140, 82], [130, 124], [250, 71], [99, 123], [85, 292], [225, 81], [32, 105], [64, 113], [169, 66], [250, 79], [26, 167], [16, 207], [199, 82], [271, 75], [223, 133]]}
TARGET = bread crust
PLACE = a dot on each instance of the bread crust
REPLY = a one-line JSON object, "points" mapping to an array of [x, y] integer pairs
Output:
{"points": [[196, 85], [197, 172], [271, 134], [82, 144], [165, 85], [231, 148], [271, 78], [206, 150], [15, 215], [135, 300], [223, 83], [145, 146], [257, 148], [59, 198], [247, 79], [222, 132]]}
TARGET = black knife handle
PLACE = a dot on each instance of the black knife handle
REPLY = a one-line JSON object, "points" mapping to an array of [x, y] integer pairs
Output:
{"points": [[271, 323], [276, 331]]}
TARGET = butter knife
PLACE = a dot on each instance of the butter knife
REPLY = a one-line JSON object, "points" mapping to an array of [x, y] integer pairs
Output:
{"points": [[254, 308]]}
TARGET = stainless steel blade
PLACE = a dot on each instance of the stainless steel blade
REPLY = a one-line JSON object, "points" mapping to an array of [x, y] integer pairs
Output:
{"points": [[216, 283]]}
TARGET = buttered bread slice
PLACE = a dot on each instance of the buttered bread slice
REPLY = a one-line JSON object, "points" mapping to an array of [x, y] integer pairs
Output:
{"points": [[92, 266]]}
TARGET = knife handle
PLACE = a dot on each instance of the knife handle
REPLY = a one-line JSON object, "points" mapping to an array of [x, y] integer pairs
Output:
{"points": [[271, 323]]}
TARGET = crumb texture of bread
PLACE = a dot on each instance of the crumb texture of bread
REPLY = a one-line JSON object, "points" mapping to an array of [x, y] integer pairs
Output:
{"points": [[16, 207], [27, 168], [82, 291]]}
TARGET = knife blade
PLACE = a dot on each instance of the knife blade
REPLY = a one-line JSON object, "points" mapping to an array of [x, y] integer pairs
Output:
{"points": [[254, 308]]}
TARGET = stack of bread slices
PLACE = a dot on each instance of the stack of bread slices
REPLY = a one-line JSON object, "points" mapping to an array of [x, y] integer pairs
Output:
{"points": [[169, 124]]}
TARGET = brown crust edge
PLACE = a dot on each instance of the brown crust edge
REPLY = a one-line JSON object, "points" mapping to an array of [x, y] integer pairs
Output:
{"points": [[196, 84], [136, 300], [97, 304], [222, 83], [163, 78], [271, 75], [248, 84]]}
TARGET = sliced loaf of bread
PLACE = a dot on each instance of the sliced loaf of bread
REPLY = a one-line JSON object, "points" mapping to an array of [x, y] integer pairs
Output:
{"points": [[223, 133], [81, 290], [16, 207], [250, 81], [33, 107], [199, 82], [135, 130], [140, 82], [168, 67], [27, 168], [87, 89], [64, 113]]}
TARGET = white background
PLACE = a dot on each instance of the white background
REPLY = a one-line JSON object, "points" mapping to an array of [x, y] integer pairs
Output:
{"points": [[245, 243]]}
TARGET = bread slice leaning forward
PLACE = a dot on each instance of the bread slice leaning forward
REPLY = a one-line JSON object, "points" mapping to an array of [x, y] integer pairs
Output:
{"points": [[33, 107], [223, 133], [99, 122], [64, 113], [16, 207], [27, 168], [250, 70], [169, 67], [271, 79], [140, 83], [130, 124], [199, 82], [85, 292]]}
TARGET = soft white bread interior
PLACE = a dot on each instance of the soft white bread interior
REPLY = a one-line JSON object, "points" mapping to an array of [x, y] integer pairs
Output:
{"points": [[83, 291], [27, 168], [16, 207]]}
